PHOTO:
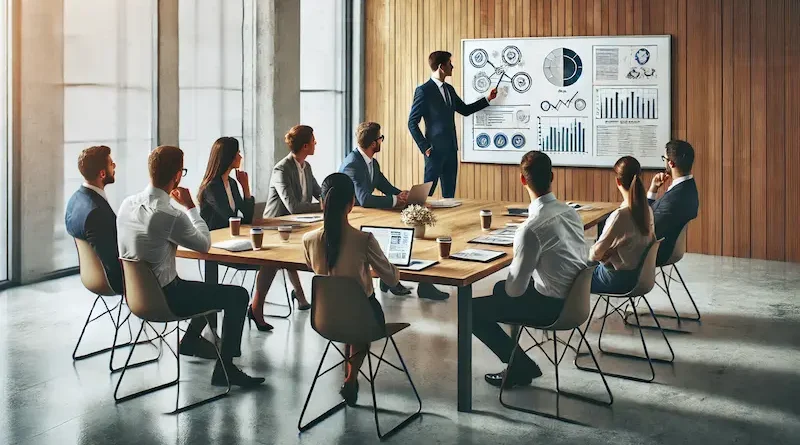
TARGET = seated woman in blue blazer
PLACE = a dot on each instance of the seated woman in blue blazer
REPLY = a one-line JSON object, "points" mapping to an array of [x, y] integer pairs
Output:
{"points": [[220, 200]]}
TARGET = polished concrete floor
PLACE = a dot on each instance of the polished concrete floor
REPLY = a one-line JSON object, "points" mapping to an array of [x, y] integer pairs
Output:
{"points": [[735, 379]]}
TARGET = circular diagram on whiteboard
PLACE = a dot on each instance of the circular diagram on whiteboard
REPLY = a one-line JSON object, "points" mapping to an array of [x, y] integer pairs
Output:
{"points": [[522, 116], [511, 55], [518, 140], [482, 140], [521, 82], [562, 67], [500, 140], [481, 83], [580, 104], [478, 58], [642, 56]]}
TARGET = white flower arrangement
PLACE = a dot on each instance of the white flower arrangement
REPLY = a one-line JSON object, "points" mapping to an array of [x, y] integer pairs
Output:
{"points": [[417, 215]]}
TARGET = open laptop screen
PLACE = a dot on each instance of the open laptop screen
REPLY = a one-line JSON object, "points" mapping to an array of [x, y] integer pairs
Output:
{"points": [[396, 242]]}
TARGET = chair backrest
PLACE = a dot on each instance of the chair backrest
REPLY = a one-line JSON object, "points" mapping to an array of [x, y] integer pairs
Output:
{"points": [[647, 270], [341, 311], [680, 247], [93, 275], [577, 302], [143, 293]]}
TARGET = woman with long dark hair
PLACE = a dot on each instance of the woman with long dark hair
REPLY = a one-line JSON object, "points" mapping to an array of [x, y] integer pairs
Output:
{"points": [[220, 199], [339, 249], [627, 233]]}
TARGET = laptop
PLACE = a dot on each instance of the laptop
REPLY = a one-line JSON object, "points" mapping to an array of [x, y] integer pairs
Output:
{"points": [[396, 243], [419, 193]]}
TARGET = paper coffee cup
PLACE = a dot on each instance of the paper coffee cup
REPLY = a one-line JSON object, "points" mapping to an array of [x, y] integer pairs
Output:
{"points": [[256, 238], [235, 224], [285, 232], [445, 243], [486, 219]]}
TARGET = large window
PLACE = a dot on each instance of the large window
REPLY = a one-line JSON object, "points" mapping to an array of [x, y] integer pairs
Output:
{"points": [[323, 81], [108, 55], [210, 79], [4, 181]]}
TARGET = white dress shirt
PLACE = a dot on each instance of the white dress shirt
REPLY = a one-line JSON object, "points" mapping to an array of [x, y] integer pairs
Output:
{"points": [[149, 229], [301, 172], [548, 247], [97, 190], [675, 182], [440, 85], [368, 160]]}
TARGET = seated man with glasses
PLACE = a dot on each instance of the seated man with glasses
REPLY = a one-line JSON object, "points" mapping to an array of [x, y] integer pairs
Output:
{"points": [[680, 202], [365, 172], [150, 229]]}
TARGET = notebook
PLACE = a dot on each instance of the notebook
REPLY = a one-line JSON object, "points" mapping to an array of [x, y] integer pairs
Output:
{"points": [[234, 245], [479, 255], [443, 204]]}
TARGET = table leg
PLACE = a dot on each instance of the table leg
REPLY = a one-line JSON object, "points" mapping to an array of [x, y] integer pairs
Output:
{"points": [[465, 348], [212, 277]]}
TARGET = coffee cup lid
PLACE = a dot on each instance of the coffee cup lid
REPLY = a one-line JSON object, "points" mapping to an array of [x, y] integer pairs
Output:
{"points": [[285, 228], [234, 218], [444, 239], [486, 212], [256, 230]]}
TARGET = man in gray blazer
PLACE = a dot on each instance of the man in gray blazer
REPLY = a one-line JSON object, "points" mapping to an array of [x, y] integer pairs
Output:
{"points": [[293, 185]]}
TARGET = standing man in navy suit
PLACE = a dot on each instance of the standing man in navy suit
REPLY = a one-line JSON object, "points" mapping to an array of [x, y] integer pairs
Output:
{"points": [[435, 101], [680, 203], [89, 216]]}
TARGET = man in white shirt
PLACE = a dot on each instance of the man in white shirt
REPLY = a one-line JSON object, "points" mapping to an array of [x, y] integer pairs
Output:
{"points": [[549, 252], [151, 230]]}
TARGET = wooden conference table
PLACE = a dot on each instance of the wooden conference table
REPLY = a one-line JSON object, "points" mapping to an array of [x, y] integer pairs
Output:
{"points": [[461, 223]]}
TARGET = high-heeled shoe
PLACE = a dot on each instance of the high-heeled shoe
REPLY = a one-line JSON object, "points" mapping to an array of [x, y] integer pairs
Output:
{"points": [[262, 325], [302, 307]]}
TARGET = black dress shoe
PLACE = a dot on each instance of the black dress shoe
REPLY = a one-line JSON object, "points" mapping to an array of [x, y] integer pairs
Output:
{"points": [[349, 393], [235, 375], [429, 291], [516, 378], [197, 346], [398, 290]]}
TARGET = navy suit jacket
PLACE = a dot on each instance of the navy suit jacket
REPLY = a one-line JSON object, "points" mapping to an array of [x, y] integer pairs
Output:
{"points": [[89, 217], [672, 212], [440, 123], [215, 208], [355, 167]]}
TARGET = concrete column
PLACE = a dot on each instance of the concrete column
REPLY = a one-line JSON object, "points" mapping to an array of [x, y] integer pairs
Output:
{"points": [[277, 84], [41, 135], [168, 91]]}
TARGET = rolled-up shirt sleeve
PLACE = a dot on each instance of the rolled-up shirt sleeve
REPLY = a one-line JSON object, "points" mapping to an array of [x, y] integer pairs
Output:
{"points": [[190, 231], [526, 256]]}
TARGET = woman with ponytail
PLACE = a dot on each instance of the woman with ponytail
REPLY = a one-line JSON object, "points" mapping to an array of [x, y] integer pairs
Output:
{"points": [[339, 249], [628, 232]]}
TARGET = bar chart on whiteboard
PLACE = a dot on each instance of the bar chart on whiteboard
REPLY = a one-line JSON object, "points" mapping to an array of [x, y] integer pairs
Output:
{"points": [[626, 103], [562, 134]]}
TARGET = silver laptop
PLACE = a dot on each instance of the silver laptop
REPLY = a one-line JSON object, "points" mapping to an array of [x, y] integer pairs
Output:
{"points": [[419, 193]]}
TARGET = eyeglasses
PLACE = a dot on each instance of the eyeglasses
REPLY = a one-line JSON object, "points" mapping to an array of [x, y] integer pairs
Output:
{"points": [[381, 138], [664, 158], [185, 171]]}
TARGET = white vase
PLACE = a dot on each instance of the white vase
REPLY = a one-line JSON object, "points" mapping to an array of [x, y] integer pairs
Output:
{"points": [[419, 231]]}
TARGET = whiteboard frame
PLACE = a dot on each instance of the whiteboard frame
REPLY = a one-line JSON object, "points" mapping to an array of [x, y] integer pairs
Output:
{"points": [[663, 41]]}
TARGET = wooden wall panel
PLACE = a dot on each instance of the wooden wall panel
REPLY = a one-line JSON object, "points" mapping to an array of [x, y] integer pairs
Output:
{"points": [[730, 99]]}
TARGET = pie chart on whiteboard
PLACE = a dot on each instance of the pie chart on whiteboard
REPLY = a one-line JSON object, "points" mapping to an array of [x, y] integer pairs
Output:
{"points": [[562, 67]]}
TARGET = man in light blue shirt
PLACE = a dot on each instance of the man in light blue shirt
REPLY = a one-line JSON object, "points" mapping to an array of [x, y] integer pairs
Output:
{"points": [[549, 252]]}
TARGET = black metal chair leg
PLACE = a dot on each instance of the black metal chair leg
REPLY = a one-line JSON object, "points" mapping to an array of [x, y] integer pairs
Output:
{"points": [[147, 340], [288, 300], [408, 419], [683, 283], [667, 280], [327, 413]]}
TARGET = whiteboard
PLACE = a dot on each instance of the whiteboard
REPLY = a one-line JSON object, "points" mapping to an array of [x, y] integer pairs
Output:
{"points": [[585, 101]]}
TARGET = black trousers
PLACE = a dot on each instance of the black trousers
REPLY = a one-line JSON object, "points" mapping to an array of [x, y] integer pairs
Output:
{"points": [[531, 307], [191, 297], [444, 165]]}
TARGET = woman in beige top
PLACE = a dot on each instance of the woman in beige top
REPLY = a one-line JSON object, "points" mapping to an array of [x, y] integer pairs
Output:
{"points": [[339, 249], [628, 232]]}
